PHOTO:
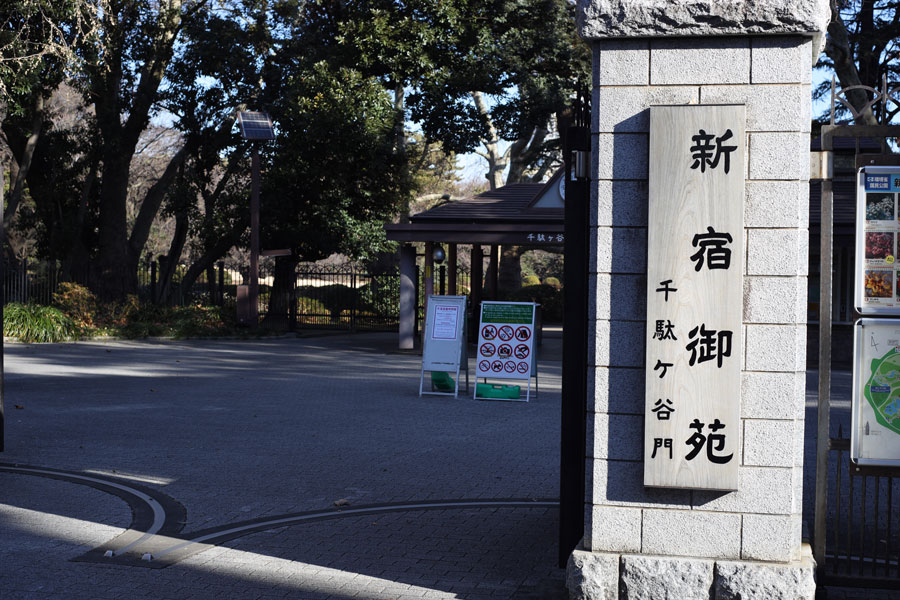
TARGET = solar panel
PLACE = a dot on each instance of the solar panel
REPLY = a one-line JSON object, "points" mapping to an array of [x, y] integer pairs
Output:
{"points": [[256, 125]]}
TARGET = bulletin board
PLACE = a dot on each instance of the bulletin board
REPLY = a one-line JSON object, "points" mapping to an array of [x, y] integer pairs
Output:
{"points": [[877, 289], [444, 348]]}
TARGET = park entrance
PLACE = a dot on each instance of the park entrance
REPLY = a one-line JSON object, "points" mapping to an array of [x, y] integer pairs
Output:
{"points": [[857, 520]]}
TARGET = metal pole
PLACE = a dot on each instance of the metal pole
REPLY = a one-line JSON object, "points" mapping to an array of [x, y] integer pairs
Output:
{"points": [[221, 283], [823, 435], [292, 311], [573, 417], [2, 303], [254, 240]]}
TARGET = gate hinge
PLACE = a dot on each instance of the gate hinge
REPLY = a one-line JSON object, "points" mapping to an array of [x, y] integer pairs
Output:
{"points": [[821, 165]]}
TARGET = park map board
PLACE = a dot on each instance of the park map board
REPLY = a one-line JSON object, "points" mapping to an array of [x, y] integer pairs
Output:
{"points": [[875, 438]]}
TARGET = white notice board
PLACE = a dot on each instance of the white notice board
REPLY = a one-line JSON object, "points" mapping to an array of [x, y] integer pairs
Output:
{"points": [[877, 286], [694, 297], [875, 430], [445, 339]]}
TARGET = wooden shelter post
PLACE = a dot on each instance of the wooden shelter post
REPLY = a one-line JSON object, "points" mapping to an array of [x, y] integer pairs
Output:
{"points": [[429, 277], [493, 272], [407, 297], [451, 277], [477, 274]]}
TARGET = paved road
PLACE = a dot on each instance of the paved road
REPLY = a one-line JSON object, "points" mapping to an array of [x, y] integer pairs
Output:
{"points": [[247, 446], [234, 453]]}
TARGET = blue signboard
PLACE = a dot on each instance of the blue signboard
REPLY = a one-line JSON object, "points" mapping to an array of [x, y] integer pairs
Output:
{"points": [[882, 182]]}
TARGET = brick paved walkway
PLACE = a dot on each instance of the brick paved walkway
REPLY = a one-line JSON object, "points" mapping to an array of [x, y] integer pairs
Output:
{"points": [[241, 431]]}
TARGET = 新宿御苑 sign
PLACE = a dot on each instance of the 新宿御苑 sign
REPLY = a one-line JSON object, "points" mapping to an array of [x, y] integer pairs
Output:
{"points": [[694, 297], [875, 429], [877, 286]]}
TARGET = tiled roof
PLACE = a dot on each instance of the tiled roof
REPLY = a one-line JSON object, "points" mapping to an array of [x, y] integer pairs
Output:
{"points": [[508, 204]]}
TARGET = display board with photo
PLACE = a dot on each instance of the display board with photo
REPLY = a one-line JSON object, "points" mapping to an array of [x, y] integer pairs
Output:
{"points": [[877, 236]]}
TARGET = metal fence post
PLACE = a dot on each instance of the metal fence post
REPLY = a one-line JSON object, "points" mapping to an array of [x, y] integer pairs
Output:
{"points": [[416, 307], [353, 299], [153, 297], [292, 308], [221, 297], [24, 286]]}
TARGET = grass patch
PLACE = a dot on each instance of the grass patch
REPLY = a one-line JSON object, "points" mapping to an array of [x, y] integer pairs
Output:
{"points": [[35, 323]]}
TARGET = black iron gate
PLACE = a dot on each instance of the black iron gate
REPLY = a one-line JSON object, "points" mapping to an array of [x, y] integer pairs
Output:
{"points": [[864, 523], [856, 536]]}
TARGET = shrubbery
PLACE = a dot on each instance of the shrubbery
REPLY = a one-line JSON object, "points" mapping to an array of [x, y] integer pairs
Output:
{"points": [[549, 297], [36, 323], [530, 280], [77, 314]]}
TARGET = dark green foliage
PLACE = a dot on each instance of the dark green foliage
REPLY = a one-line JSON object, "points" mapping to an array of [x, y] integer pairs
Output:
{"points": [[552, 281], [179, 322], [335, 177], [381, 296], [549, 297], [336, 298]]}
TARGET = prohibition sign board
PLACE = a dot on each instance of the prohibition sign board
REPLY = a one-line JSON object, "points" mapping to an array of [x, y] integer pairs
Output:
{"points": [[506, 342]]}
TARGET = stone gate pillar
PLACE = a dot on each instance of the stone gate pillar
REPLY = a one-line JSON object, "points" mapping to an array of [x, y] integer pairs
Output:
{"points": [[644, 542]]}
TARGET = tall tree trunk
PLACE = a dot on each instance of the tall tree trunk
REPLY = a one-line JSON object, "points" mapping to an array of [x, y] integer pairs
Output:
{"points": [[524, 153], [167, 289], [511, 268], [116, 274], [277, 314], [215, 252], [18, 184], [120, 126], [497, 161]]}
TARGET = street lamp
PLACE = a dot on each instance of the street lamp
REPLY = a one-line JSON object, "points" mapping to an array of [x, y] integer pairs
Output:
{"points": [[256, 127]]}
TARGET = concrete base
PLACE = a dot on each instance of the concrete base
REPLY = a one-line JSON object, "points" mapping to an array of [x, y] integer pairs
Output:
{"points": [[605, 576]]}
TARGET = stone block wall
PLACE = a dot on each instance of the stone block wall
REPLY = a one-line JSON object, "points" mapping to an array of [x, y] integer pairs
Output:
{"points": [[761, 521]]}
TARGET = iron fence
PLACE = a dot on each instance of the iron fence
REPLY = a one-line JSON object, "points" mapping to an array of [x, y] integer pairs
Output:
{"points": [[863, 539], [343, 296], [348, 296], [37, 281]]}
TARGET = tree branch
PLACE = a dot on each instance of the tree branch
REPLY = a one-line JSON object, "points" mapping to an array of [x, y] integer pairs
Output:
{"points": [[18, 186], [838, 50]]}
